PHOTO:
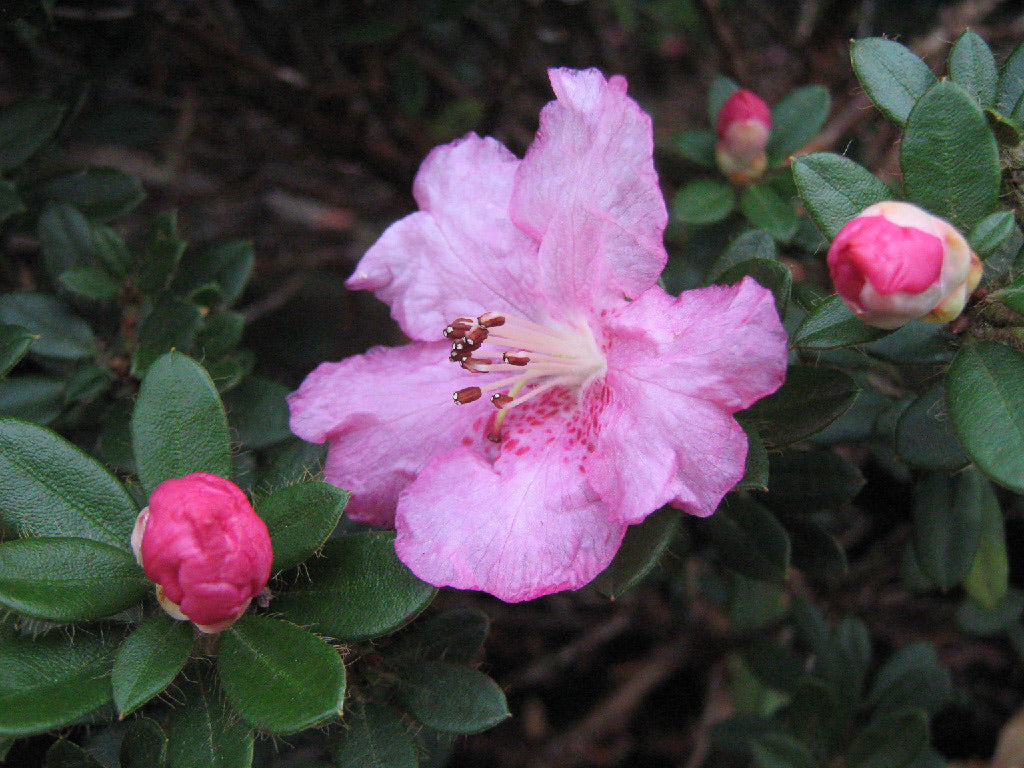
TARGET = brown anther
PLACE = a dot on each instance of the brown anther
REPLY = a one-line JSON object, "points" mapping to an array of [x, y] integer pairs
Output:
{"points": [[467, 395], [515, 358], [500, 400], [475, 337], [459, 353], [459, 327], [476, 364], [491, 319]]}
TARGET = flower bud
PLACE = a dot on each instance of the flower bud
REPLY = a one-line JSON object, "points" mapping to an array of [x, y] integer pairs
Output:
{"points": [[895, 263], [205, 548], [744, 123]]}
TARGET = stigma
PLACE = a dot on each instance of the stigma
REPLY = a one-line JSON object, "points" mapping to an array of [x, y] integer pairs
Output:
{"points": [[535, 357]]}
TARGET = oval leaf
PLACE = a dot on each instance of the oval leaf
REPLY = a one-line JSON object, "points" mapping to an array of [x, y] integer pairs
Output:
{"points": [[641, 550], [832, 324], [14, 343], [809, 400], [835, 189], [451, 698], [24, 128], [987, 581], [59, 334], [148, 660], [893, 76], [144, 745], [991, 232], [65, 754], [102, 194], [748, 539], [1011, 83], [767, 209], [947, 524], [925, 436], [299, 519], [204, 733], [973, 67], [796, 119], [704, 201], [375, 737]]}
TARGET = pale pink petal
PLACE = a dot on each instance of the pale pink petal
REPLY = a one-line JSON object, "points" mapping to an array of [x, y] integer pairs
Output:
{"points": [[460, 254], [678, 368], [385, 414], [527, 525], [590, 177]]}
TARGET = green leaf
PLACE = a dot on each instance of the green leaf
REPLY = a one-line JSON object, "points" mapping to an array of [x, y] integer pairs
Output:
{"points": [[697, 147], [720, 90], [890, 740], [973, 67], [164, 248], [24, 128], [991, 232], [773, 275], [767, 209], [299, 519], [975, 618], [11, 203], [640, 551], [778, 750], [455, 636], [203, 733], [258, 412], [102, 194], [1011, 83], [748, 539], [357, 590], [170, 324], [65, 754], [987, 579], [111, 250], [815, 551], [451, 698], [752, 244], [924, 434], [703, 201], [144, 745], [754, 604], [795, 121], [50, 488], [65, 239], [949, 157], [755, 471], [985, 398], [809, 400], [14, 343], [832, 324], [816, 715], [846, 657], [148, 660], [179, 425], [805, 481], [228, 265], [32, 398], [66, 579], [893, 76], [375, 737], [221, 332], [90, 283], [280, 677], [912, 677], [947, 524], [835, 189], [59, 334], [51, 681]]}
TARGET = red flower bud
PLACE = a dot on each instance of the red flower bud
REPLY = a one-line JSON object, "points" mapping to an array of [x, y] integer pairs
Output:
{"points": [[895, 263], [744, 123], [205, 548]]}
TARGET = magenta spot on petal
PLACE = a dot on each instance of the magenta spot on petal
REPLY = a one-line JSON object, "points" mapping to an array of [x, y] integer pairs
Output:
{"points": [[521, 450], [467, 440]]}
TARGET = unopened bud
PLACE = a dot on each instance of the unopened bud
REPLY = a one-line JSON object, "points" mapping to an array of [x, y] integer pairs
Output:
{"points": [[744, 123]]}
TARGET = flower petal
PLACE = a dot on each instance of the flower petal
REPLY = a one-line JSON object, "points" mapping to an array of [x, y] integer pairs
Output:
{"points": [[386, 413], [525, 526], [589, 181], [678, 368], [460, 254]]}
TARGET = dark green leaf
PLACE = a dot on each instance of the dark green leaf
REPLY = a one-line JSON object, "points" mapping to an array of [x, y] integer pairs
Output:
{"points": [[975, 618], [90, 283], [65, 579], [704, 201], [227, 265], [697, 147], [293, 461], [102, 194], [24, 128], [817, 716], [257, 412], [111, 250], [973, 68], [14, 343], [748, 539], [773, 275], [148, 660], [50, 488], [832, 324], [755, 471], [451, 698], [947, 524], [754, 604], [204, 733], [144, 745], [299, 519], [65, 754], [912, 677], [752, 244], [357, 590], [893, 76], [375, 737], [767, 209], [641, 550], [891, 740], [949, 156], [221, 332], [985, 397], [924, 434], [32, 398], [179, 425], [991, 232], [1007, 130], [835, 189], [846, 657], [50, 681], [773, 664], [1011, 83], [815, 551], [795, 121], [159, 260], [721, 89], [170, 324], [986, 582], [866, 419], [805, 481], [778, 750], [280, 677], [64, 239], [10, 201], [59, 333], [455, 636], [810, 400]]}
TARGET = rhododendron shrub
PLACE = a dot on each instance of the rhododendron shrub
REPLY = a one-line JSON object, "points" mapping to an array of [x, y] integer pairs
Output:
{"points": [[575, 396]]}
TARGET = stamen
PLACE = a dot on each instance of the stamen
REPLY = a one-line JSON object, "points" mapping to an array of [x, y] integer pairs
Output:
{"points": [[500, 401], [476, 364], [458, 327], [491, 319], [467, 395], [516, 358]]}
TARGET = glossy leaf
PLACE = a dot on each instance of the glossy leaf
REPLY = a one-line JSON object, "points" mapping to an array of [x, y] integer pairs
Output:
{"points": [[204, 733], [148, 660], [835, 189], [14, 343], [299, 519], [144, 745], [102, 194], [375, 737], [810, 399], [767, 209], [832, 324], [451, 698], [892, 75], [50, 488], [973, 67], [947, 524], [796, 119], [24, 128], [641, 550], [925, 436], [59, 334], [704, 201], [280, 677], [179, 425]]}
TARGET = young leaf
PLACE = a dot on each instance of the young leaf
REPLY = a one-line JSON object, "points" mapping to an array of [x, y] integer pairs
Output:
{"points": [[179, 425], [280, 677], [809, 400], [356, 590], [835, 189], [50, 488], [703, 201], [148, 660], [203, 733], [451, 698], [795, 121], [947, 524], [832, 324], [14, 343], [973, 67], [144, 745], [170, 324], [24, 128], [299, 519], [925, 436], [641, 550], [987, 579], [893, 76], [65, 579], [767, 209], [949, 157], [59, 334]]}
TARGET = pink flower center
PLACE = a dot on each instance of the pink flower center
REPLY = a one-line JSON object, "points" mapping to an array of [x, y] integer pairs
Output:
{"points": [[538, 357]]}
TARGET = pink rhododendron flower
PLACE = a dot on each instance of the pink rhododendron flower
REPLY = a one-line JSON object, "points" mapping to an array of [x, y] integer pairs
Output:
{"points": [[585, 396], [205, 548], [895, 263], [744, 124]]}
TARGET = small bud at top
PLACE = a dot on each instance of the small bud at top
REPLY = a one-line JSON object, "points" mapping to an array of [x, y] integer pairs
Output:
{"points": [[744, 124]]}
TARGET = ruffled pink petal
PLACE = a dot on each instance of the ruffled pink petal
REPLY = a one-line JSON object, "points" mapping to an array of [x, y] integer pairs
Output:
{"points": [[385, 414], [527, 525], [590, 176], [460, 254], [678, 368]]}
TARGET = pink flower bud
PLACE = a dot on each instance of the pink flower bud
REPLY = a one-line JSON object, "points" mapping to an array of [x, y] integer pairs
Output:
{"points": [[744, 123], [895, 263], [205, 548]]}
